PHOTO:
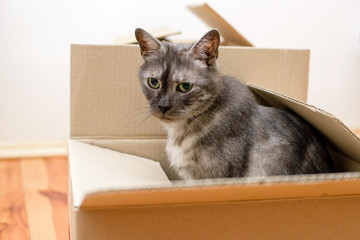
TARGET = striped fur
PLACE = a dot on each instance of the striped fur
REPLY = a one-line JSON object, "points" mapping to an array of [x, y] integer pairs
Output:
{"points": [[217, 129]]}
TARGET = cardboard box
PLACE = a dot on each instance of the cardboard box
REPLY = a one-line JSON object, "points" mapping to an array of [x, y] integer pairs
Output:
{"points": [[117, 196], [230, 37], [113, 195]]}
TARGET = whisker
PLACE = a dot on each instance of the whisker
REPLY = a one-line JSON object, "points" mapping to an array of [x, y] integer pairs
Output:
{"points": [[133, 118], [191, 130], [208, 130], [137, 110], [142, 121], [134, 123]]}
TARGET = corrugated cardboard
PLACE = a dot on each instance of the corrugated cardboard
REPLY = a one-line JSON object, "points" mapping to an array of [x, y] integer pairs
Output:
{"points": [[160, 33], [230, 37], [214, 20], [108, 199], [104, 83]]}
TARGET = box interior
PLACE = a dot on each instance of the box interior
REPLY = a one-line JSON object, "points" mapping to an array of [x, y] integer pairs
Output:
{"points": [[108, 111]]}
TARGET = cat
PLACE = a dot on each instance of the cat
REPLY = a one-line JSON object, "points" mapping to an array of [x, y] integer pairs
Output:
{"points": [[215, 127]]}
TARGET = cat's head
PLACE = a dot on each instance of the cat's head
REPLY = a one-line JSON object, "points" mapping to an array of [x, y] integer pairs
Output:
{"points": [[180, 81]]}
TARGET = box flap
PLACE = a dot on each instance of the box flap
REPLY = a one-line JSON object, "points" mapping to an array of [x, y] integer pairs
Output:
{"points": [[160, 33], [94, 169], [229, 190], [341, 138], [106, 98], [101, 178], [214, 20]]}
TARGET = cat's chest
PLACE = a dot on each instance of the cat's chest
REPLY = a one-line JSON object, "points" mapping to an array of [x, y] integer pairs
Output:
{"points": [[180, 155], [180, 148]]}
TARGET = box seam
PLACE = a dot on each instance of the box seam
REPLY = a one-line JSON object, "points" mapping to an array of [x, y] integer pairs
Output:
{"points": [[109, 137], [157, 205]]}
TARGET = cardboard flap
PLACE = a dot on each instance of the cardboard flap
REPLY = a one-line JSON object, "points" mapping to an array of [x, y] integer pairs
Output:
{"points": [[160, 33], [335, 131], [229, 190], [94, 169], [214, 20]]}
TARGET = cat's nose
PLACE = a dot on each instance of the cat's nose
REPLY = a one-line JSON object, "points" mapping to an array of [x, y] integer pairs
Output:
{"points": [[164, 104], [164, 109]]}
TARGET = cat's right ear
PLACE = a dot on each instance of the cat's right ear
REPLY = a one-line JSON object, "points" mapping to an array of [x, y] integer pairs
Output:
{"points": [[206, 49], [148, 44]]}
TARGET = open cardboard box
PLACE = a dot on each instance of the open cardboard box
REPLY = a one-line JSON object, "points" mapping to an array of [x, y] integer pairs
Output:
{"points": [[114, 196], [115, 192]]}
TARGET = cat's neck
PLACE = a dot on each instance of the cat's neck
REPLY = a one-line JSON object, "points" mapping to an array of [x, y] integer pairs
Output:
{"points": [[174, 127], [194, 126]]}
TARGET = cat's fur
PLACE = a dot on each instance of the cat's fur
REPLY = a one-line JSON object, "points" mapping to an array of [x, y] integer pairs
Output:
{"points": [[217, 129]]}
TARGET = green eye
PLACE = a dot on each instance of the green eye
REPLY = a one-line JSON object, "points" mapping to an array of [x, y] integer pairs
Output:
{"points": [[153, 83], [184, 87]]}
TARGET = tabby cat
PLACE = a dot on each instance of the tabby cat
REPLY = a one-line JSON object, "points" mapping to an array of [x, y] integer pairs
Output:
{"points": [[215, 127]]}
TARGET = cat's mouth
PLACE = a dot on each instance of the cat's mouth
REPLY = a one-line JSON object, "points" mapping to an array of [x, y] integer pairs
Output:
{"points": [[167, 117]]}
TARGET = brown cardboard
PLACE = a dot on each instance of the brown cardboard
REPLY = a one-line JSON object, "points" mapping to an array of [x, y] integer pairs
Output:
{"points": [[105, 103], [214, 20], [302, 218], [160, 33], [108, 202], [116, 171], [339, 137]]}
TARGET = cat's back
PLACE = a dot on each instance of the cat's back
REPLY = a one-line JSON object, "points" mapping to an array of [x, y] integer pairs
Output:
{"points": [[285, 144], [279, 141], [238, 98]]}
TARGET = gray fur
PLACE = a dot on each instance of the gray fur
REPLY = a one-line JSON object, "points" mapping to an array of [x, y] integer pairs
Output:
{"points": [[217, 129]]}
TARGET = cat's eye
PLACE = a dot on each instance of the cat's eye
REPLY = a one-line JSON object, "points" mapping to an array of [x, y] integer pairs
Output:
{"points": [[184, 87], [153, 83]]}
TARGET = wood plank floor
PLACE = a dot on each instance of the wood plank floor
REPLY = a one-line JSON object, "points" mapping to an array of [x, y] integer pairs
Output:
{"points": [[33, 199]]}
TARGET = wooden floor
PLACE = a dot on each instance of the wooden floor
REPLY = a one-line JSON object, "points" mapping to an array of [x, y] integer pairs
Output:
{"points": [[33, 199]]}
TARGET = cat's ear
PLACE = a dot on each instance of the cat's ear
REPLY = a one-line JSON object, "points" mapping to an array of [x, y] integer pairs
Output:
{"points": [[148, 44], [206, 49]]}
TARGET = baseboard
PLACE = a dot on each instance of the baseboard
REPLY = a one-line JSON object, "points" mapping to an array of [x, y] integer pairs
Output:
{"points": [[33, 149]]}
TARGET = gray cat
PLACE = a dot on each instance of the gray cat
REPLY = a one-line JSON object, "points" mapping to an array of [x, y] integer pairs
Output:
{"points": [[215, 127]]}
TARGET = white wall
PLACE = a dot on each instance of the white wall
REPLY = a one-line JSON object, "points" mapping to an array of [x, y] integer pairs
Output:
{"points": [[35, 38]]}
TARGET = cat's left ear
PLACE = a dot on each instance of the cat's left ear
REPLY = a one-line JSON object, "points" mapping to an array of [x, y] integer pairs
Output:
{"points": [[206, 49], [148, 44]]}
